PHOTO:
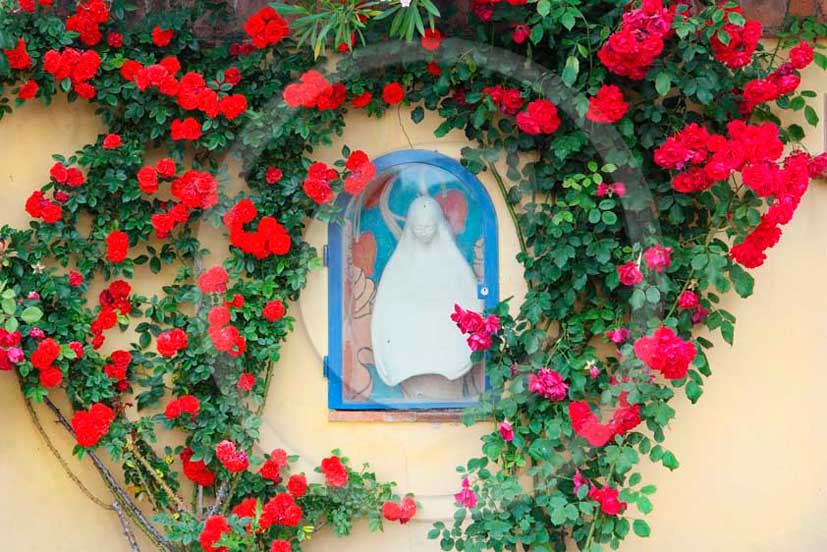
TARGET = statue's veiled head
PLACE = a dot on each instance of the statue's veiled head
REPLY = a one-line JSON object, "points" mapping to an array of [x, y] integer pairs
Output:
{"points": [[424, 217]]}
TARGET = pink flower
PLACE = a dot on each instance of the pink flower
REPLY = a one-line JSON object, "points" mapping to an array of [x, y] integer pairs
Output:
{"points": [[467, 497], [688, 300], [630, 274], [506, 432], [594, 371], [618, 335], [16, 355], [37, 333], [699, 315], [549, 384], [658, 257], [491, 324], [609, 500], [33, 295], [479, 341], [467, 321], [665, 352]]}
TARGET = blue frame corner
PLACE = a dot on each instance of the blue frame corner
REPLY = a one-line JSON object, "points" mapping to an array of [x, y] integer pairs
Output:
{"points": [[335, 258]]}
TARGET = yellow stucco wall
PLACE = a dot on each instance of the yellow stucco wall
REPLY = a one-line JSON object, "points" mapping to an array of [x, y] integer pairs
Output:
{"points": [[753, 457]]}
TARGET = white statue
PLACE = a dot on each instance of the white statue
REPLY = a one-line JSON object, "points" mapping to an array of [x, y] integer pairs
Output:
{"points": [[411, 331]]}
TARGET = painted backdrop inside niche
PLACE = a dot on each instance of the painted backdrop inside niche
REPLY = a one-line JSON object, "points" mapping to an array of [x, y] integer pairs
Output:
{"points": [[415, 238]]}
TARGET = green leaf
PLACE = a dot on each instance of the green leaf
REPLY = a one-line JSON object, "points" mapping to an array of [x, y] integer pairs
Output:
{"points": [[641, 528], [570, 71], [9, 306], [31, 315], [417, 114], [693, 391], [543, 7], [663, 83], [811, 116]]}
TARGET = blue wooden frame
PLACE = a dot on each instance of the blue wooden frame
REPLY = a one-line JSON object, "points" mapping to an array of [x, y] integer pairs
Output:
{"points": [[334, 258]]}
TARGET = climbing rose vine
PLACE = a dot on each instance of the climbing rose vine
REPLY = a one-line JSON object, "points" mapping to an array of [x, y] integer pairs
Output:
{"points": [[664, 112]]}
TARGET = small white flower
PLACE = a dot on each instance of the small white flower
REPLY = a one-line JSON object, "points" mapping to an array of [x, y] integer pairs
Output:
{"points": [[404, 3]]}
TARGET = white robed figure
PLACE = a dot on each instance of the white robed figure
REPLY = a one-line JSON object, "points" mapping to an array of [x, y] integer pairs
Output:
{"points": [[426, 275]]}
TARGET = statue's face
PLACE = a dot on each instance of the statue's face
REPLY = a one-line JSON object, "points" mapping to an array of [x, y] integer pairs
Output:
{"points": [[423, 218]]}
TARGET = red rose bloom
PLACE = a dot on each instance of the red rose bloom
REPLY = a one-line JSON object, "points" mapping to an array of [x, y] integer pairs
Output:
{"points": [[393, 93], [166, 168], [273, 175], [334, 471], [161, 37], [246, 382], [28, 90], [213, 280], [233, 460], [608, 106], [280, 546], [50, 377], [801, 55], [196, 472], [46, 353], [432, 39], [214, 528], [117, 243], [610, 504], [233, 106], [362, 171], [75, 278], [169, 343], [665, 352], [266, 28], [112, 141], [688, 300], [297, 485], [362, 99], [273, 310], [115, 40], [90, 426], [188, 129], [540, 118], [148, 180], [51, 212], [18, 57], [630, 274], [281, 510]]}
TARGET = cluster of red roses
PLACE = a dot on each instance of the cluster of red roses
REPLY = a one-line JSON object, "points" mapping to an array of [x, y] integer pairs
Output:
{"points": [[224, 336], [171, 341], [743, 39], [43, 358], [479, 329], [29, 6], [79, 66], [10, 351], [781, 82], [113, 300], [609, 500], [88, 17], [361, 171], [116, 368], [317, 184], [665, 352], [185, 404], [270, 237], [608, 106], [402, 511], [91, 425], [631, 51], [231, 458], [266, 28], [37, 206], [540, 117], [69, 176], [197, 471], [314, 91], [192, 92], [586, 424], [508, 100], [335, 472], [18, 57], [117, 245]]}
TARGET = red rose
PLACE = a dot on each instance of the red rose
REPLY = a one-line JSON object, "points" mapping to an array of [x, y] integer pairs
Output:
{"points": [[170, 342], [362, 171], [161, 37], [266, 27], [115, 40], [232, 106], [273, 175], [280, 546], [129, 69], [77, 347], [213, 280], [117, 243], [232, 76], [112, 141], [46, 353], [540, 118], [219, 316], [246, 382], [214, 528], [90, 426], [432, 39], [188, 129], [391, 511], [281, 510], [630, 274], [196, 472], [148, 180], [658, 257], [393, 93], [233, 460], [28, 90], [688, 300], [297, 485], [608, 106], [51, 212], [801, 55], [665, 352], [433, 68], [334, 471], [362, 99], [166, 168], [59, 173], [18, 56], [75, 278], [610, 504], [273, 310]]}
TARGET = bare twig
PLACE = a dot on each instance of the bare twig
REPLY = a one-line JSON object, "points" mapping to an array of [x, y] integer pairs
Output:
{"points": [[121, 495], [127, 531]]}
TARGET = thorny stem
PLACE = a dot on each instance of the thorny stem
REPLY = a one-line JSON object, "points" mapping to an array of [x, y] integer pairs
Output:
{"points": [[179, 502]]}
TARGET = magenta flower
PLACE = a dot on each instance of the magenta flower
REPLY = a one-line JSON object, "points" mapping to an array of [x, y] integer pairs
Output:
{"points": [[467, 497], [549, 384], [506, 432], [658, 257], [16, 355]]}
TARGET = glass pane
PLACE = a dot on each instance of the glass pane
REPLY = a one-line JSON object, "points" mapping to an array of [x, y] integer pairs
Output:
{"points": [[412, 247]]}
